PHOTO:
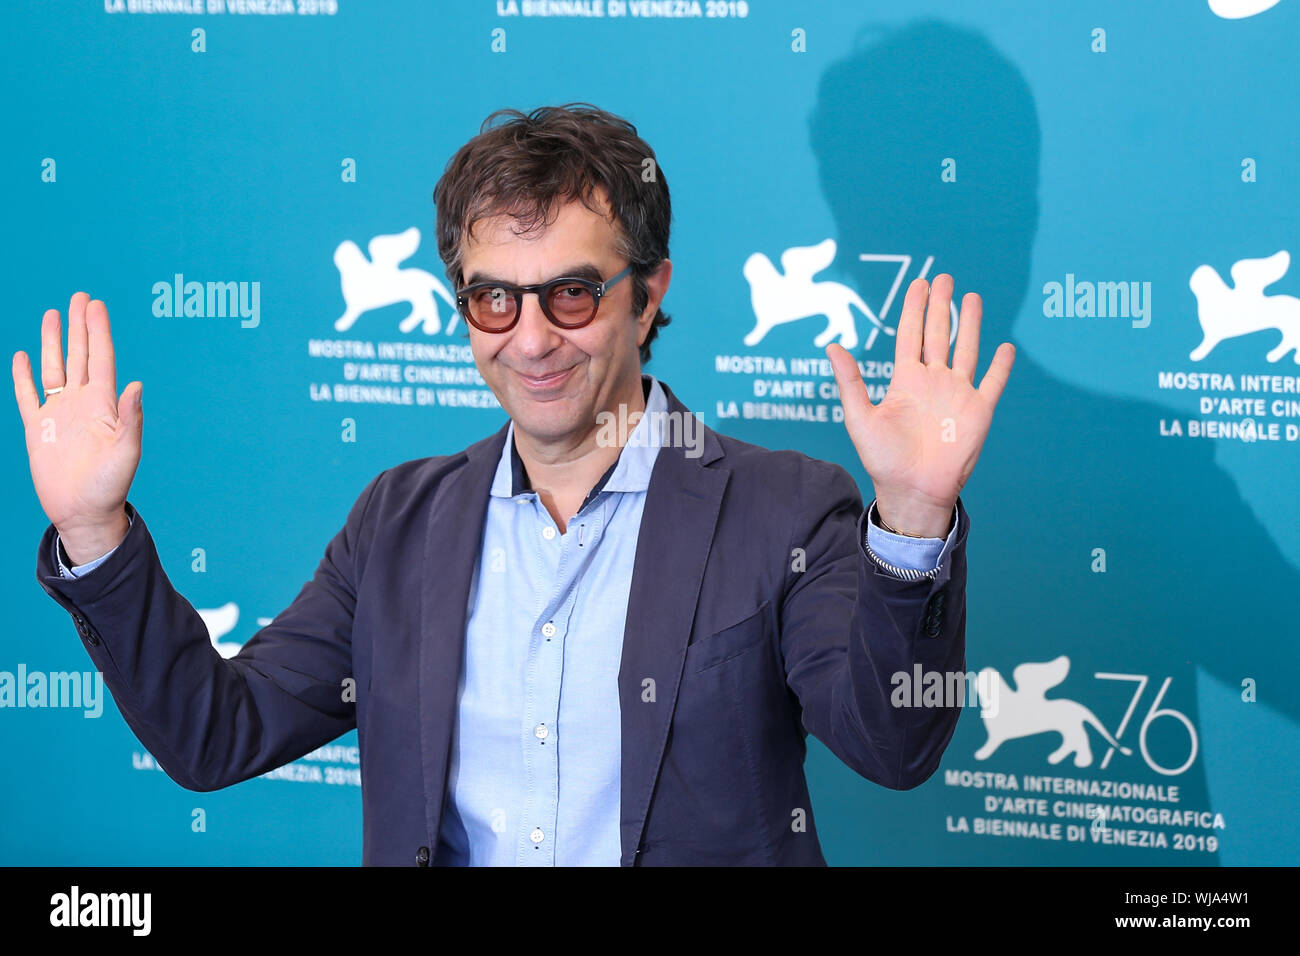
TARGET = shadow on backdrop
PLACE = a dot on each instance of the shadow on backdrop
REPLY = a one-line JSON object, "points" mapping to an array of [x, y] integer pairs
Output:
{"points": [[1192, 580]]}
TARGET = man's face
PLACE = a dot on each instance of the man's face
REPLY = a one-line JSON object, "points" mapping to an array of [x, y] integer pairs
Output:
{"points": [[553, 382]]}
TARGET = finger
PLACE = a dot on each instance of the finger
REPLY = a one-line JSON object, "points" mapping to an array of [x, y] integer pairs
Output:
{"points": [[77, 345], [99, 363], [853, 390], [52, 375], [966, 353], [907, 338], [938, 322], [995, 379], [29, 402]]}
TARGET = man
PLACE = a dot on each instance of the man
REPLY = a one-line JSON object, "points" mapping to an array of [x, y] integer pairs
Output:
{"points": [[632, 631]]}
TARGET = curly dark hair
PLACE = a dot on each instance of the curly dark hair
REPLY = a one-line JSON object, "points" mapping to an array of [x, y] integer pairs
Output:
{"points": [[552, 155]]}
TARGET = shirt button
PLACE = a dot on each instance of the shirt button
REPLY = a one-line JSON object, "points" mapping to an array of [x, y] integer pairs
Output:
{"points": [[540, 731], [537, 836], [548, 629], [548, 532]]}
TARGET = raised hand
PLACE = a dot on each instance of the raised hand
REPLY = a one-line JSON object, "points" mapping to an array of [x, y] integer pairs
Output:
{"points": [[83, 443], [920, 444]]}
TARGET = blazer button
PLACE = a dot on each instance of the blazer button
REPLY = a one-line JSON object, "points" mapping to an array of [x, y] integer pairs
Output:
{"points": [[422, 856], [931, 618], [84, 631]]}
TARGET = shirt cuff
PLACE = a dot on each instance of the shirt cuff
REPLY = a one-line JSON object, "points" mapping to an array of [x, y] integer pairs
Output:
{"points": [[904, 556], [77, 570]]}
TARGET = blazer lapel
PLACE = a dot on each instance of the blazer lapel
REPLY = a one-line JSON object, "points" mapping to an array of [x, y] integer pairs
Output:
{"points": [[677, 524]]}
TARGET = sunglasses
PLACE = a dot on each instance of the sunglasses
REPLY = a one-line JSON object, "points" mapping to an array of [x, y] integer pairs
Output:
{"points": [[568, 302]]}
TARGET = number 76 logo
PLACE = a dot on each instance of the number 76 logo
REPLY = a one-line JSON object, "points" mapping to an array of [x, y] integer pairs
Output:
{"points": [[1027, 711], [1154, 713]]}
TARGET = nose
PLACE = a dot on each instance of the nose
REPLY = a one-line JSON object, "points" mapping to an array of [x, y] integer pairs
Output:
{"points": [[534, 335]]}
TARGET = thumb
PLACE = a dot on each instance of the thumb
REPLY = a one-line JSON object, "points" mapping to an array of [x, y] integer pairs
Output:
{"points": [[130, 410], [853, 390]]}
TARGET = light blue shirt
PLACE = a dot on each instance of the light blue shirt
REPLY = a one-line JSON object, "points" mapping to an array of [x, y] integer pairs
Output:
{"points": [[538, 696], [546, 614]]}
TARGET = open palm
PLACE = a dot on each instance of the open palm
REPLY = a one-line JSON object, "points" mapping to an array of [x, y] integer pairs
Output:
{"points": [[920, 444], [83, 443]]}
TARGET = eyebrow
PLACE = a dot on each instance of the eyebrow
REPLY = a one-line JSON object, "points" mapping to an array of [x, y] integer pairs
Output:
{"points": [[584, 270]]}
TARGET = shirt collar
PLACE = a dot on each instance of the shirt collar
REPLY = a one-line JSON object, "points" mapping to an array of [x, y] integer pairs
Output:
{"points": [[630, 472]]}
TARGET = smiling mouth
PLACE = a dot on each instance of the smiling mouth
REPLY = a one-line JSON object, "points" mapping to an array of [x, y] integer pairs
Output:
{"points": [[545, 381]]}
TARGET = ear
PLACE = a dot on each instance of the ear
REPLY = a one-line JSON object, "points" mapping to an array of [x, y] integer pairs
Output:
{"points": [[657, 287]]}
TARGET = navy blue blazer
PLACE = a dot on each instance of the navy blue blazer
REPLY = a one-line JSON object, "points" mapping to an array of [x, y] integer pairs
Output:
{"points": [[735, 648]]}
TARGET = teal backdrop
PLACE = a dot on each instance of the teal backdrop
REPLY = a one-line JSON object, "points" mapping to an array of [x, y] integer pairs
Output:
{"points": [[1117, 180]]}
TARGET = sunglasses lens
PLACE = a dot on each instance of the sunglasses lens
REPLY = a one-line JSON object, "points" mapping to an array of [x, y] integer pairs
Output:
{"points": [[571, 304], [492, 308]]}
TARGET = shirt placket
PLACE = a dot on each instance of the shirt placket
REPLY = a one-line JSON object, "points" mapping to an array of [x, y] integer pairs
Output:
{"points": [[543, 679]]}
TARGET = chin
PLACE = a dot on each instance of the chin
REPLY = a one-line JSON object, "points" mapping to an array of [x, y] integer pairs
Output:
{"points": [[550, 420]]}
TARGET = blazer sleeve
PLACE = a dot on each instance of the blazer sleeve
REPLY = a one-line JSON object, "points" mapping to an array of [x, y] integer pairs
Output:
{"points": [[209, 721], [848, 627]]}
